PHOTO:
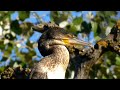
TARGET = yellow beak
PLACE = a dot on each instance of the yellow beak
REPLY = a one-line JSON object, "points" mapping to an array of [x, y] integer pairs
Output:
{"points": [[74, 41]]}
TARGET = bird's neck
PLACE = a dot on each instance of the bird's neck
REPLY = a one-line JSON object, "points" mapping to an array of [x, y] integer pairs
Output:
{"points": [[61, 54]]}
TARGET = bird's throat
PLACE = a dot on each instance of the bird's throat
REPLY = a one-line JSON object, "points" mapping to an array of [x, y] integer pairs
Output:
{"points": [[61, 54]]}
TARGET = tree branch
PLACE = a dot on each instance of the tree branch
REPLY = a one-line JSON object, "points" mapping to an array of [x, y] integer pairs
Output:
{"points": [[89, 57]]}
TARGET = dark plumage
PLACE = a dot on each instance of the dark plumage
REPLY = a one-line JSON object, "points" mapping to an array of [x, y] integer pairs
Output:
{"points": [[54, 33]]}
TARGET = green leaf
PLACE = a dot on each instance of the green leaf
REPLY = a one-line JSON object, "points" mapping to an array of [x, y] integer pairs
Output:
{"points": [[2, 46], [117, 61], [4, 58], [117, 71], [8, 50], [99, 18], [109, 13], [4, 15], [77, 20], [85, 27], [73, 29], [94, 26], [97, 38], [59, 16], [23, 15], [108, 62], [2, 69], [32, 53], [15, 27], [29, 44]]}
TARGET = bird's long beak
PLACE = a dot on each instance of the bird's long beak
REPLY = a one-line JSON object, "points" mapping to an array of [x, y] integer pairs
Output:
{"points": [[74, 41]]}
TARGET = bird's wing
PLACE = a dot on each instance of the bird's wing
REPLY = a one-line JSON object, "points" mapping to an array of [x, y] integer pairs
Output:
{"points": [[39, 75], [36, 74]]}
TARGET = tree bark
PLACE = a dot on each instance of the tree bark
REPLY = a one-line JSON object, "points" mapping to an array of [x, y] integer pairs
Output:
{"points": [[89, 57]]}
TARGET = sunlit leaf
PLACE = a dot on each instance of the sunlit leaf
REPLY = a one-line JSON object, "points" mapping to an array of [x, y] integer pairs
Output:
{"points": [[118, 61], [77, 20], [2, 69], [23, 15], [63, 24], [72, 29], [94, 26], [108, 29]]}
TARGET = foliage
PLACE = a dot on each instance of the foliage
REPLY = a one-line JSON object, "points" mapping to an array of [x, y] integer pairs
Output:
{"points": [[16, 47]]}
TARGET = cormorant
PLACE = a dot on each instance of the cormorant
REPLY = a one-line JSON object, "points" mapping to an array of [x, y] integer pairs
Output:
{"points": [[53, 46]]}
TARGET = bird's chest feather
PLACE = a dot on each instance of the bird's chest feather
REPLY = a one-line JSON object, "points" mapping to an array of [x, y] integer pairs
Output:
{"points": [[58, 73]]}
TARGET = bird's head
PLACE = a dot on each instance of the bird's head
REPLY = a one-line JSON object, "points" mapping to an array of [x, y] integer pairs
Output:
{"points": [[54, 35]]}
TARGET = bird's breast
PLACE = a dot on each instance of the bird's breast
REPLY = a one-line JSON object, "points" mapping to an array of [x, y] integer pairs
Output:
{"points": [[58, 73]]}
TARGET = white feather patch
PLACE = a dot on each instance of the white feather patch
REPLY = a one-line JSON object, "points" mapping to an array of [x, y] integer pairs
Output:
{"points": [[58, 73]]}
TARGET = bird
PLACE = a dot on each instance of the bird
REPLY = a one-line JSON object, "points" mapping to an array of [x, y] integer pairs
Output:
{"points": [[53, 46]]}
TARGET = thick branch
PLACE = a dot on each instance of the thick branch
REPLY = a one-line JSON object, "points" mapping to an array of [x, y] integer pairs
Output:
{"points": [[15, 73], [88, 59]]}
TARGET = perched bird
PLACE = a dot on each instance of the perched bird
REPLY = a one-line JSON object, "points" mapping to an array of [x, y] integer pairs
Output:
{"points": [[53, 46]]}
